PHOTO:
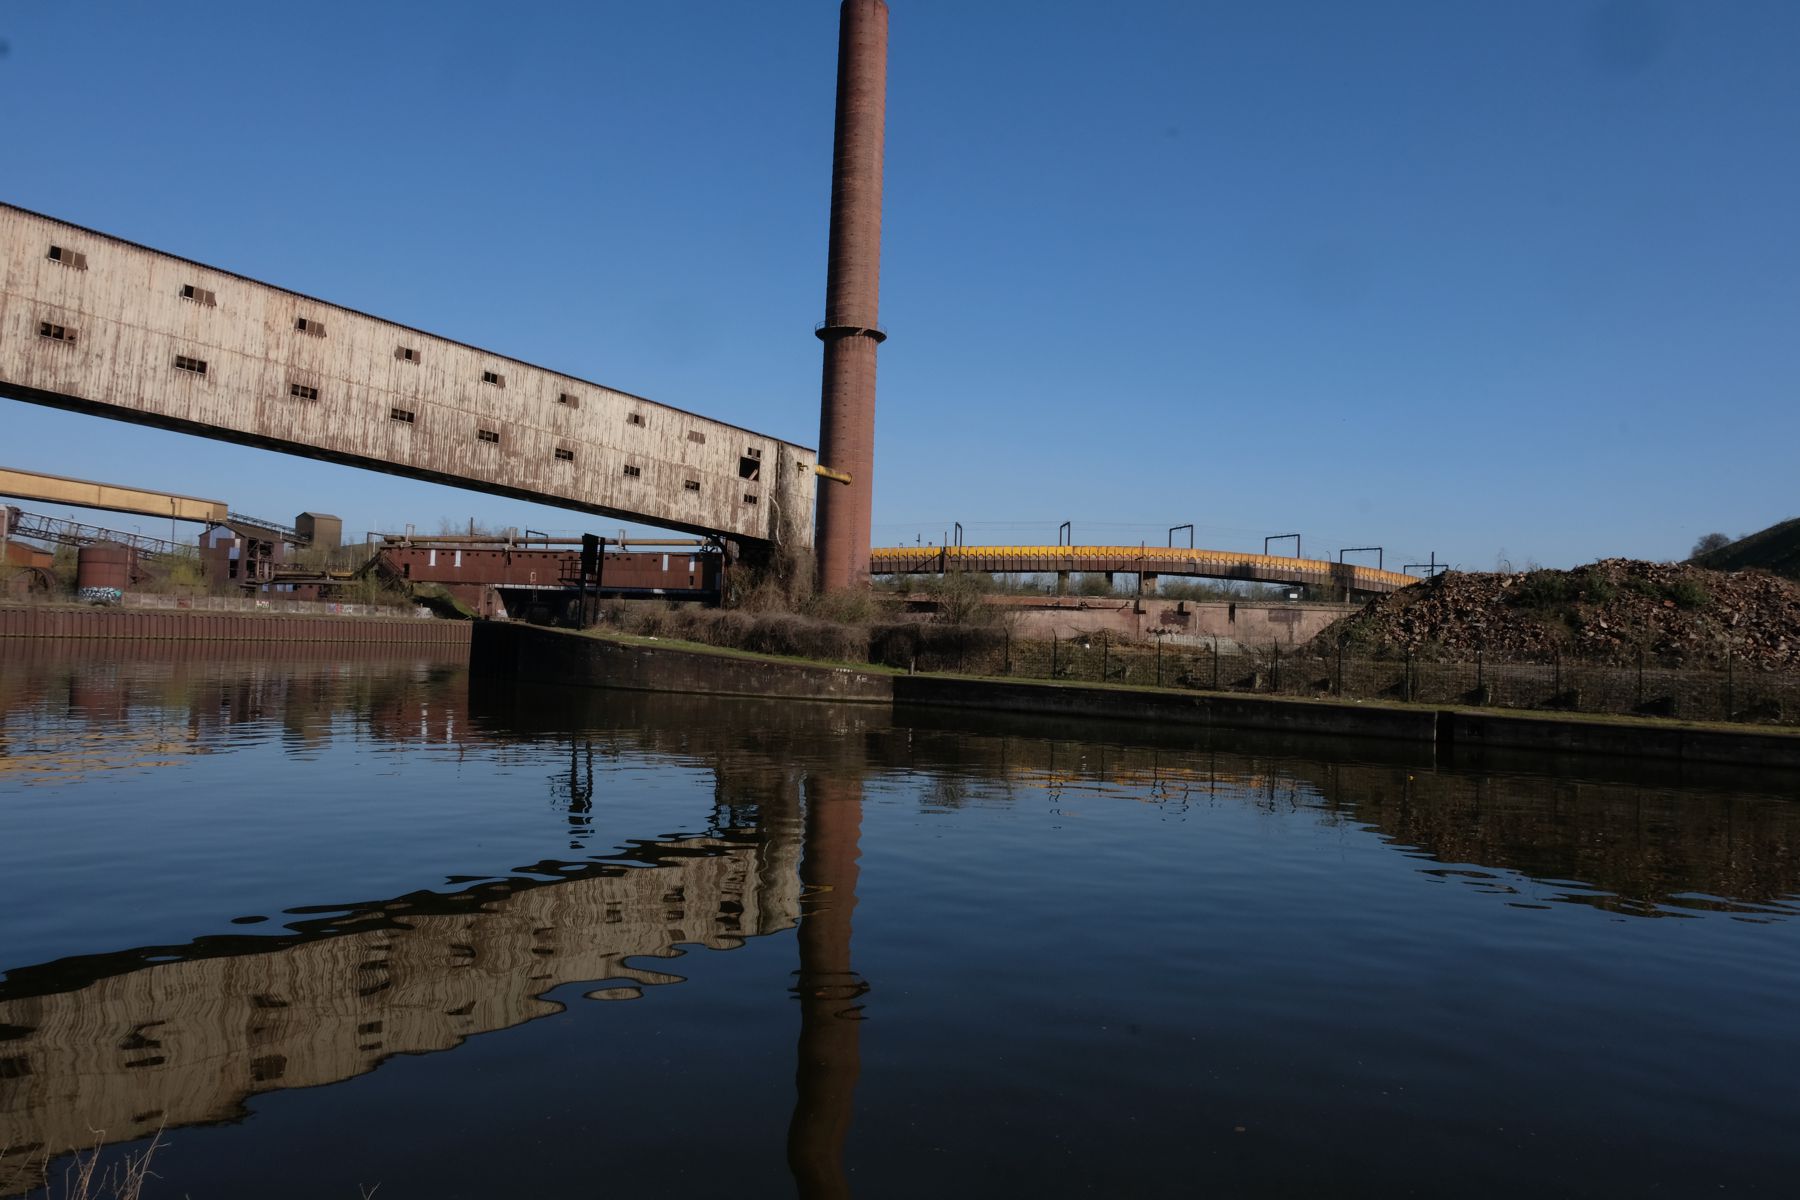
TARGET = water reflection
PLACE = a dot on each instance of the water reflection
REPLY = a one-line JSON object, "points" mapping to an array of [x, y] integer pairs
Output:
{"points": [[830, 991], [185, 1033]]}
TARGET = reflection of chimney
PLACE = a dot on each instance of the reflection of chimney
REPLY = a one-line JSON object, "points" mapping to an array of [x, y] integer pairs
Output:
{"points": [[852, 287], [830, 991]]}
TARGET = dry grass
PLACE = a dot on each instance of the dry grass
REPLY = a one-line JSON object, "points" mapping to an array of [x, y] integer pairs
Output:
{"points": [[84, 1179]]}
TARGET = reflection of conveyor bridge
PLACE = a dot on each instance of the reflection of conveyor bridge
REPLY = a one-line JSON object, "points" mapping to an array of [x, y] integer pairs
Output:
{"points": [[1149, 562], [191, 1040]]}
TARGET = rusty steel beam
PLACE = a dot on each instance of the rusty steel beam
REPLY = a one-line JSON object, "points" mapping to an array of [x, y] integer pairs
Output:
{"points": [[851, 329]]}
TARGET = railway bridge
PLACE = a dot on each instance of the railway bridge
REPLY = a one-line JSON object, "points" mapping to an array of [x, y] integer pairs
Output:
{"points": [[1147, 562]]}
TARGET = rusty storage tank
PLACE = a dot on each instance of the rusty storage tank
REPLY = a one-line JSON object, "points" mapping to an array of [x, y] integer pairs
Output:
{"points": [[105, 565]]}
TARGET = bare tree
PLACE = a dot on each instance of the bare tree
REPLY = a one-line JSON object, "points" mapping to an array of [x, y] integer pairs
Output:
{"points": [[1710, 542]]}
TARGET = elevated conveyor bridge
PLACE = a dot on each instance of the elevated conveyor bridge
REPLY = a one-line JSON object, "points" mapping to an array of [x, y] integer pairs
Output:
{"points": [[1349, 579]]}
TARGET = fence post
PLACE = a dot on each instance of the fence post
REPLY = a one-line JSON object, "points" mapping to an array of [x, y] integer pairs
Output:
{"points": [[1480, 676], [1342, 642], [1730, 705], [1215, 663], [1275, 668], [1556, 667], [1159, 643], [1053, 654], [1640, 693], [1406, 679], [1105, 654], [1006, 652]]}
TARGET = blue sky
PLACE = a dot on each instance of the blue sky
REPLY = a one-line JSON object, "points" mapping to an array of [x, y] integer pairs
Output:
{"points": [[1511, 279]]}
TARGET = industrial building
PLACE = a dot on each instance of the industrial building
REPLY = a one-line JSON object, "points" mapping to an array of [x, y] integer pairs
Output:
{"points": [[97, 324]]}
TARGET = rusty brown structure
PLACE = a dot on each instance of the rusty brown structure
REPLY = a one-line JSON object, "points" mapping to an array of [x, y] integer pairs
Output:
{"points": [[851, 330], [503, 581]]}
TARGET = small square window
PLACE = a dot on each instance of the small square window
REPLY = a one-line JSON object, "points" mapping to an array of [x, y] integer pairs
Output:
{"points": [[633, 472], [404, 415], [196, 365], [199, 295], [749, 497], [488, 435], [692, 485], [634, 418], [694, 435], [301, 391], [563, 455], [55, 332], [568, 400], [406, 354], [493, 377], [68, 257], [309, 326]]}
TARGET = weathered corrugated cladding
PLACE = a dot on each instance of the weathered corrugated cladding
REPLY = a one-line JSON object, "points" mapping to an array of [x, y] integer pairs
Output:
{"points": [[94, 323]]}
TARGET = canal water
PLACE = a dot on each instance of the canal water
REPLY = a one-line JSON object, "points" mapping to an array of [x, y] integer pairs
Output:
{"points": [[333, 924]]}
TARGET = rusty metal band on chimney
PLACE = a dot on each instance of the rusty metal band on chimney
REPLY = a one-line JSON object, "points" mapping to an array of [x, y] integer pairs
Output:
{"points": [[850, 330]]}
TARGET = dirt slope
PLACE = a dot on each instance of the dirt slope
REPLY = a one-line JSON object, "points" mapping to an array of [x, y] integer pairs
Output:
{"points": [[1675, 612], [1775, 549]]}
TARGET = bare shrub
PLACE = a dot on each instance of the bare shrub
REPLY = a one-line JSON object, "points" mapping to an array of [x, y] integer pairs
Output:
{"points": [[807, 637], [849, 606]]}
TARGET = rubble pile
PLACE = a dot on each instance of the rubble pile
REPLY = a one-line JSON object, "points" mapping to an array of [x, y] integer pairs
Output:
{"points": [[1678, 613]]}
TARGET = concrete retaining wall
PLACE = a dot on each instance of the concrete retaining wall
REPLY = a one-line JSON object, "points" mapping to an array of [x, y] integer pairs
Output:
{"points": [[532, 655], [1251, 623], [1211, 710], [45, 622], [1737, 747]]}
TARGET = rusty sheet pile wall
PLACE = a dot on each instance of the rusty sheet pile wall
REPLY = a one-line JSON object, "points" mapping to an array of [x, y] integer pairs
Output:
{"points": [[96, 324], [41, 621]]}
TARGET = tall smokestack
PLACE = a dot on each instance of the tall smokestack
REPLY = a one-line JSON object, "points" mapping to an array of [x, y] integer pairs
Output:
{"points": [[852, 291]]}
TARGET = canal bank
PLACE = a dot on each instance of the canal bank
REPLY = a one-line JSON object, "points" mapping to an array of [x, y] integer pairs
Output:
{"points": [[528, 654]]}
